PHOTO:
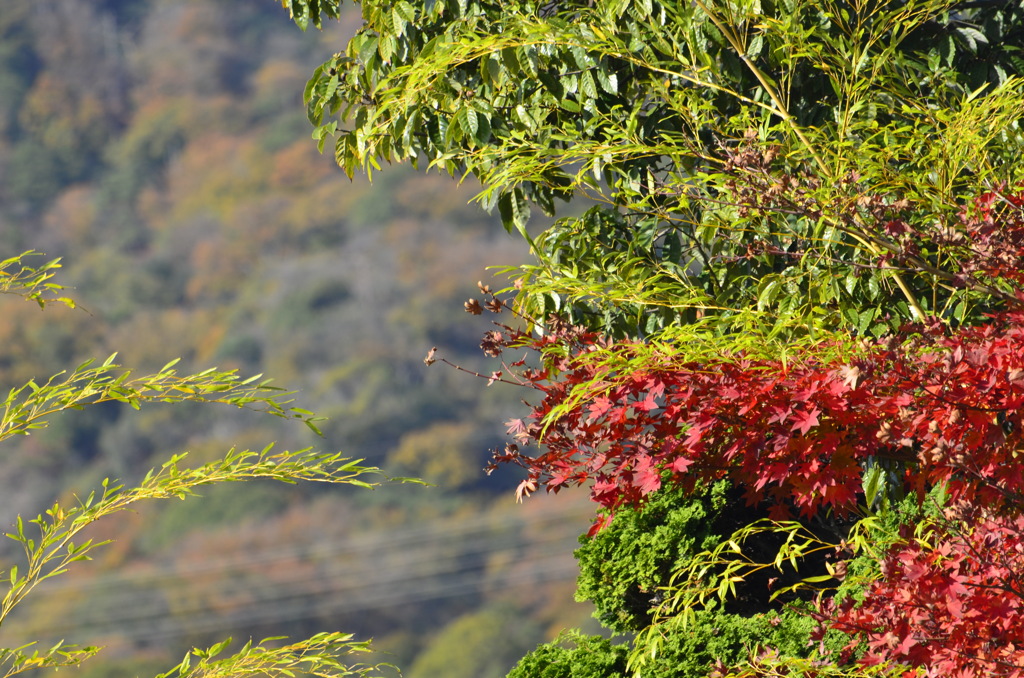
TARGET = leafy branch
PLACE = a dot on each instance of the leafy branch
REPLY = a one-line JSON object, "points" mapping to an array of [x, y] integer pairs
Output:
{"points": [[28, 407], [321, 655], [50, 552], [710, 578], [32, 283]]}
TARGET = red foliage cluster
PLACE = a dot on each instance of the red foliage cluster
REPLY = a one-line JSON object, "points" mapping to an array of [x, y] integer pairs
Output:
{"points": [[993, 235], [947, 406], [955, 607], [986, 237]]}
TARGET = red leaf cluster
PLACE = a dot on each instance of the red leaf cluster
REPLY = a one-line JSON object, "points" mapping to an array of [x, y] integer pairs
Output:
{"points": [[955, 608], [993, 237], [947, 406]]}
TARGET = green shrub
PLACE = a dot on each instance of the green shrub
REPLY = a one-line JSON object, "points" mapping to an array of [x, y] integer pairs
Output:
{"points": [[573, 655]]}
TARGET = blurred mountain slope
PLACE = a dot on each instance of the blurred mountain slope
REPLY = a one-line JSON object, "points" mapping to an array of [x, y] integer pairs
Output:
{"points": [[160, 148]]}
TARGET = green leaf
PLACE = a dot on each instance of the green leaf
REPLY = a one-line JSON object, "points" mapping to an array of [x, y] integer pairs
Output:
{"points": [[529, 62], [483, 133], [453, 131], [490, 70], [511, 61], [872, 483], [609, 81], [398, 22], [583, 60], [865, 319], [552, 84], [515, 211], [367, 47], [767, 293], [386, 47], [587, 85]]}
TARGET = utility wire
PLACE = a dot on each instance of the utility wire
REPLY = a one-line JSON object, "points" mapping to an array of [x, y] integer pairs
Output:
{"points": [[353, 580], [165, 628], [570, 517]]}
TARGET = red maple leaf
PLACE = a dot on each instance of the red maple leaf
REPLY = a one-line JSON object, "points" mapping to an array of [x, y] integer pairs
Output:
{"points": [[805, 420]]}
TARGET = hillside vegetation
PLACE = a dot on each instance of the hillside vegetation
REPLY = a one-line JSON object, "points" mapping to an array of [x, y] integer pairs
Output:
{"points": [[160, 149]]}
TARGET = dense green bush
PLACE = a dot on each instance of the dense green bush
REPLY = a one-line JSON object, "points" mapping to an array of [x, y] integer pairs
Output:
{"points": [[573, 655], [625, 567], [622, 567]]}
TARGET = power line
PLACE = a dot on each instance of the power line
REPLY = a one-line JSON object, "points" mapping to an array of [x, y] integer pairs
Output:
{"points": [[166, 628], [121, 607], [404, 538], [353, 581]]}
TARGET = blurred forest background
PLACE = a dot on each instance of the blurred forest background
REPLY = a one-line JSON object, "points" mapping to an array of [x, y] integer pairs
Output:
{"points": [[161, 148]]}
